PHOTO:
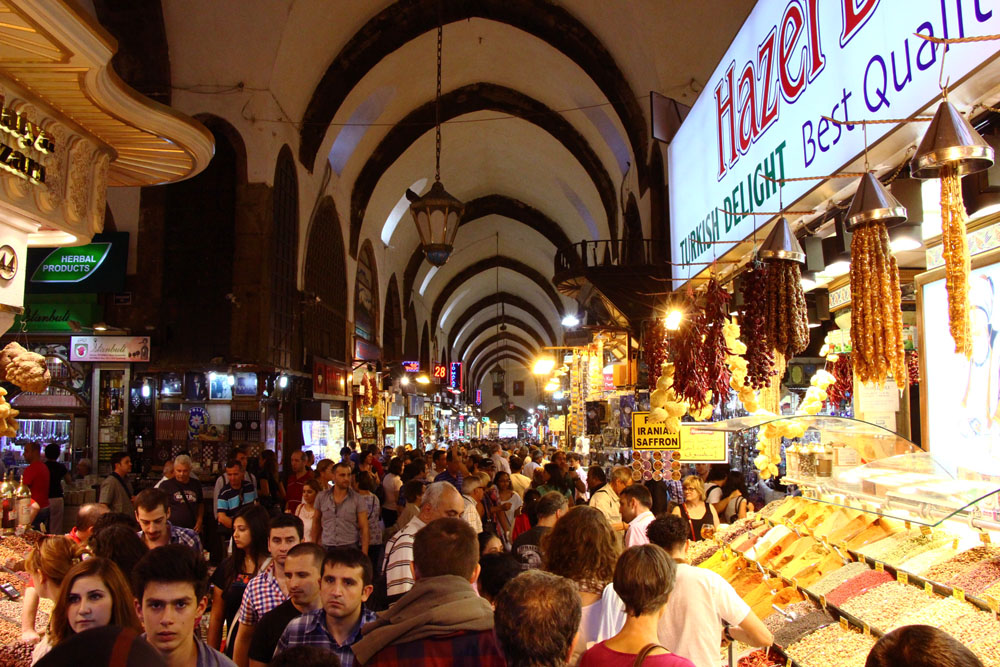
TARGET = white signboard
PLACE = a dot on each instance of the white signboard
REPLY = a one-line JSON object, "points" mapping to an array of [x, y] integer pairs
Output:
{"points": [[109, 348], [793, 62]]}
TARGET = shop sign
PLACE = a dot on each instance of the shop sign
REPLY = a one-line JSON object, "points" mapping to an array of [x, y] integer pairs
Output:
{"points": [[691, 447], [109, 348], [40, 317], [8, 262], [479, 397], [793, 62], [98, 266], [411, 366], [440, 373], [455, 375], [365, 350], [557, 424]]}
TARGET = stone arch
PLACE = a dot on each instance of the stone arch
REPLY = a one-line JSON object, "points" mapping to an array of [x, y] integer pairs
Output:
{"points": [[425, 349], [284, 259], [465, 100], [392, 323], [366, 290], [632, 239], [406, 20], [325, 281], [494, 322], [491, 300]]}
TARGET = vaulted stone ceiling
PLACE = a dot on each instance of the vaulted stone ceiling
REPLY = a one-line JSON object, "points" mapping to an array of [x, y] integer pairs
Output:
{"points": [[546, 133]]}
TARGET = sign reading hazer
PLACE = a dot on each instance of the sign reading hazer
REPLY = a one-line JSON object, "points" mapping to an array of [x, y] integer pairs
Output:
{"points": [[793, 62], [26, 136]]}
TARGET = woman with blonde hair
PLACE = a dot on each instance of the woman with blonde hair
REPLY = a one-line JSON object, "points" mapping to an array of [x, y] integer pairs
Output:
{"points": [[94, 593], [48, 563], [583, 548], [700, 515]]}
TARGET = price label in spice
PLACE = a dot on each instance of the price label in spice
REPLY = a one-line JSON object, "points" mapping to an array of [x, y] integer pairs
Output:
{"points": [[822, 601], [929, 588], [879, 566], [984, 537], [993, 603], [843, 623], [907, 524], [901, 577], [925, 530], [788, 663], [751, 515], [954, 544], [958, 594], [868, 630]]}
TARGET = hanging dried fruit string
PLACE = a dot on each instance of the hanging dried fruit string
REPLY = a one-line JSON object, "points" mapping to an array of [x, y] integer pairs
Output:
{"points": [[876, 317], [956, 259], [759, 355], [786, 328], [655, 347]]}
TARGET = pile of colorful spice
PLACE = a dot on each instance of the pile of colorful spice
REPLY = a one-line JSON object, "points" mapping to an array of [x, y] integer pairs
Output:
{"points": [[980, 631], [883, 605], [761, 658], [979, 579], [961, 563], [856, 586], [791, 631], [837, 577], [913, 545], [832, 646], [941, 613]]}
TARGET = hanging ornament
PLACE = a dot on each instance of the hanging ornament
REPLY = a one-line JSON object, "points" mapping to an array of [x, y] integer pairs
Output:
{"points": [[951, 149]]}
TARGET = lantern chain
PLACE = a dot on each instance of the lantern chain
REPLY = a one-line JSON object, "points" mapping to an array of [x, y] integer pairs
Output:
{"points": [[437, 108]]}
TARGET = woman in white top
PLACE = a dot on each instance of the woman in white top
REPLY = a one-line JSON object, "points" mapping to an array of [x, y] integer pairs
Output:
{"points": [[510, 502], [391, 485], [306, 510]]}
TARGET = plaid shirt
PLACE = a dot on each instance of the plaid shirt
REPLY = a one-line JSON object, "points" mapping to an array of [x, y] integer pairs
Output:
{"points": [[180, 535], [461, 649], [676, 489], [310, 630], [262, 595]]}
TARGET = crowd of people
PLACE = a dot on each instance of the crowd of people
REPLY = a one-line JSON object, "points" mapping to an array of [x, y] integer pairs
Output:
{"points": [[478, 554]]}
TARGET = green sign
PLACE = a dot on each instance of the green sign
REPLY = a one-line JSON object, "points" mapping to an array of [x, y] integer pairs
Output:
{"points": [[71, 265], [51, 317]]}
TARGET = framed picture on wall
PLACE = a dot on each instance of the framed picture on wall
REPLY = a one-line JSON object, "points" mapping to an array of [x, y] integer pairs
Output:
{"points": [[519, 387]]}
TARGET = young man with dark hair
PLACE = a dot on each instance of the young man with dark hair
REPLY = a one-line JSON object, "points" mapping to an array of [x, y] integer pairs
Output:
{"points": [[344, 588], [170, 585], [239, 453], [528, 545], [453, 469], [342, 513], [152, 511], [116, 490], [303, 567], [496, 571], [238, 493], [440, 620], [536, 617], [36, 478], [269, 588], [691, 626], [296, 481], [634, 503], [518, 482]]}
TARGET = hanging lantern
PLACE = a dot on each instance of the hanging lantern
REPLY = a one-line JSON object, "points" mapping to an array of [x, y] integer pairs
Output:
{"points": [[437, 214], [498, 374], [951, 149], [782, 244], [874, 203]]}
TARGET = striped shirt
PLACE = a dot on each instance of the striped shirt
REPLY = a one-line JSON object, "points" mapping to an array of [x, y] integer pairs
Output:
{"points": [[232, 500], [262, 595], [310, 630], [399, 558]]}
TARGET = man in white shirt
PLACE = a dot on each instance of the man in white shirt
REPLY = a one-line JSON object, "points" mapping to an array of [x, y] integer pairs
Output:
{"points": [[518, 482], [500, 461], [535, 461], [703, 608], [472, 495], [606, 499], [441, 499], [635, 502]]}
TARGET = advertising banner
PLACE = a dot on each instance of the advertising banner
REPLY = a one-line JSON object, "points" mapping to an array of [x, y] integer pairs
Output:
{"points": [[690, 447], [792, 63], [109, 348]]}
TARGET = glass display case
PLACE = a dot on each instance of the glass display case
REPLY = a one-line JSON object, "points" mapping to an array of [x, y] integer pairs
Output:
{"points": [[857, 465]]}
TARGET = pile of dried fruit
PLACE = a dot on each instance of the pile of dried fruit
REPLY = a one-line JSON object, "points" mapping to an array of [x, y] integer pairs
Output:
{"points": [[832, 646], [837, 577], [753, 323], [961, 563], [978, 579], [761, 658], [786, 326], [881, 606]]}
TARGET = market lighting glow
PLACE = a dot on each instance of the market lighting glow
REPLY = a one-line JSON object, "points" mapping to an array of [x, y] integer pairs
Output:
{"points": [[544, 366], [904, 244], [231, 379], [838, 268], [211, 376], [283, 381], [570, 320], [404, 380], [558, 395], [552, 386], [808, 283], [673, 320], [423, 379], [145, 390]]}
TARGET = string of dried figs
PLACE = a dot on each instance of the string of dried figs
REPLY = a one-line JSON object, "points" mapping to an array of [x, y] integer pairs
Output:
{"points": [[956, 259], [786, 329], [753, 323], [876, 318]]}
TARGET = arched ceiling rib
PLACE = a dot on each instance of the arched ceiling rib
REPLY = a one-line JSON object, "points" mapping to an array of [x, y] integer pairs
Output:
{"points": [[507, 338], [466, 100], [544, 283], [480, 209], [493, 323], [405, 20], [490, 301], [485, 365], [486, 360]]}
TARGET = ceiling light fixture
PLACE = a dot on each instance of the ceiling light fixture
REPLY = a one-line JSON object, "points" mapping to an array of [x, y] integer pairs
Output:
{"points": [[436, 214]]}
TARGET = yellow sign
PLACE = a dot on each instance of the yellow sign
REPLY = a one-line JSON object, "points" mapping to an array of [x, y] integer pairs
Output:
{"points": [[691, 447], [557, 424]]}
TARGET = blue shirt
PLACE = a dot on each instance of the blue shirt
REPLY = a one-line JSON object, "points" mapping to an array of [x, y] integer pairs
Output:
{"points": [[310, 630], [451, 479], [232, 500]]}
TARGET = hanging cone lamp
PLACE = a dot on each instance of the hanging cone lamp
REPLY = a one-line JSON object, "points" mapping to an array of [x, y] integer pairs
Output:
{"points": [[950, 143], [951, 149], [874, 203], [782, 244]]}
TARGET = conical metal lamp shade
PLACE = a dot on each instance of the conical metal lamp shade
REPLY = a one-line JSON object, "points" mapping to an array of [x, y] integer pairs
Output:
{"points": [[950, 141], [782, 244], [874, 203]]}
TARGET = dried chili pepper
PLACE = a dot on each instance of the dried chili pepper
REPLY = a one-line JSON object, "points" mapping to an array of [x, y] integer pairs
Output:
{"points": [[699, 351], [655, 348]]}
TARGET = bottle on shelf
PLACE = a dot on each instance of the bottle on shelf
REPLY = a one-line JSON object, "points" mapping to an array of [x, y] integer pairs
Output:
{"points": [[23, 504], [9, 515]]}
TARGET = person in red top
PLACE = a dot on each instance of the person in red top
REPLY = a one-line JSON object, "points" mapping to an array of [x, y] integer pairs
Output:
{"points": [[296, 481], [36, 478]]}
